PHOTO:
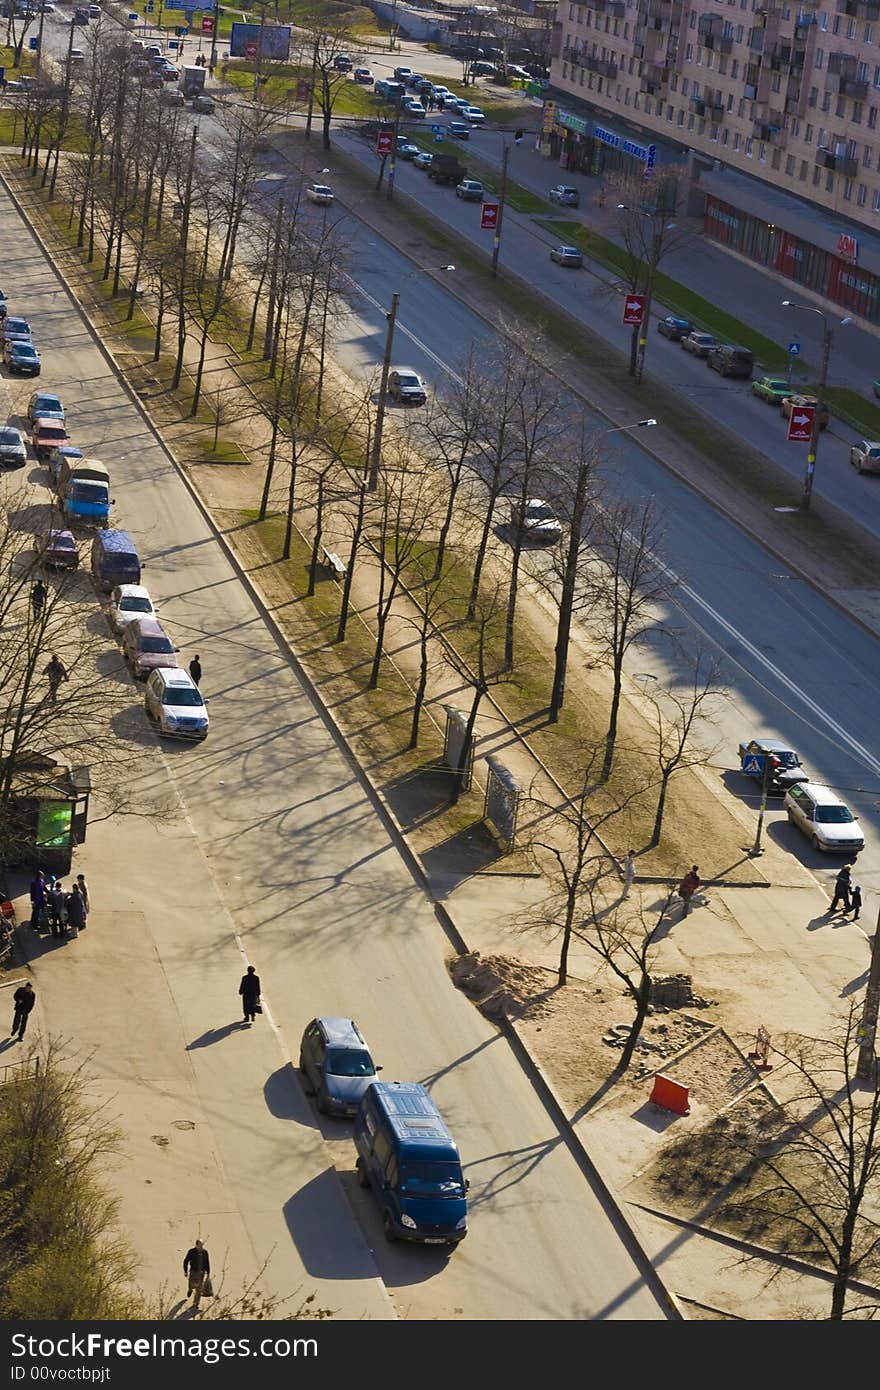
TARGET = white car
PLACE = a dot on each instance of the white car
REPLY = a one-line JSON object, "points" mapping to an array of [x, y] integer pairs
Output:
{"points": [[413, 107], [174, 703], [826, 821], [319, 193], [441, 93], [127, 602], [473, 114], [537, 520]]}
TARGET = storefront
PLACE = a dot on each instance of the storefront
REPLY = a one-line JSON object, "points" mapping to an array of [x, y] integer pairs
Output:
{"points": [[834, 274], [585, 146]]}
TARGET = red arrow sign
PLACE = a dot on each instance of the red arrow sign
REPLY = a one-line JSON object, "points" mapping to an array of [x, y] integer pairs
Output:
{"points": [[207, 24], [489, 217], [634, 308], [800, 423], [385, 142]]}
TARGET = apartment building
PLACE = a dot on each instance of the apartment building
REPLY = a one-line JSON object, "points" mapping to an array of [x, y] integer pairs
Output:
{"points": [[786, 94]]}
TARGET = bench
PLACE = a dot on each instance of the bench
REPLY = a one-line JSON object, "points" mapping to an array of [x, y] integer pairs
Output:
{"points": [[331, 561]]}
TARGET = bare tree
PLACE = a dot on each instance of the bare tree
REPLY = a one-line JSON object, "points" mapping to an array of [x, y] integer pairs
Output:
{"points": [[630, 582], [574, 490], [478, 665], [675, 717], [398, 532], [329, 38]]}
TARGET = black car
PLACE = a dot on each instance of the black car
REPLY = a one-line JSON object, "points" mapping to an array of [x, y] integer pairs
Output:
{"points": [[786, 769], [22, 358], [674, 328]]}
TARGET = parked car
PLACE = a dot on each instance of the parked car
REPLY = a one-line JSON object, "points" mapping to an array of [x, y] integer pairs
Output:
{"points": [[865, 456], [43, 405], [48, 434], [469, 189], [566, 195], [731, 361], [169, 72], [483, 69], [406, 386], [401, 74], [413, 107], [319, 193], [772, 389], [16, 329], [94, 11], [798, 401], [127, 602], [674, 328], [536, 520], [204, 104], [441, 93], [21, 358], [58, 550], [459, 130], [473, 114], [364, 77], [342, 62], [406, 150], [415, 80], [826, 821], [76, 56], [146, 646], [13, 451], [567, 255], [336, 1065], [172, 96], [699, 344], [423, 160], [174, 703], [786, 769]]}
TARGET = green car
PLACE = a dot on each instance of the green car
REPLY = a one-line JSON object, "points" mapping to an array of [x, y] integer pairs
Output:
{"points": [[772, 389]]}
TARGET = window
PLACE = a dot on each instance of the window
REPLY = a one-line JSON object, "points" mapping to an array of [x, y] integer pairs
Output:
{"points": [[776, 82], [691, 119], [812, 98], [869, 33], [692, 22], [817, 176], [848, 190], [696, 90], [734, 69], [857, 113], [835, 27], [852, 149], [826, 102], [739, 33], [804, 170], [872, 118], [819, 59], [877, 76], [730, 101], [625, 97], [863, 194], [670, 112], [820, 138], [829, 181], [749, 143], [808, 135], [681, 117], [689, 53], [866, 157], [851, 29], [840, 106], [685, 86], [736, 140], [862, 72], [571, 11], [724, 135], [776, 159], [875, 200], [789, 166], [823, 23], [795, 127]]}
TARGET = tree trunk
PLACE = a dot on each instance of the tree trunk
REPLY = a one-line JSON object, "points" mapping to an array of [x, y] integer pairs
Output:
{"points": [[197, 392], [270, 469], [423, 682], [562, 971], [458, 778], [291, 499], [352, 556], [843, 1266], [661, 806], [319, 530], [642, 996], [611, 736], [479, 559]]}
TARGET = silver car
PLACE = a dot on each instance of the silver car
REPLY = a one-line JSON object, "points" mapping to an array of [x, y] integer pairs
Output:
{"points": [[336, 1064], [13, 451], [825, 820]]}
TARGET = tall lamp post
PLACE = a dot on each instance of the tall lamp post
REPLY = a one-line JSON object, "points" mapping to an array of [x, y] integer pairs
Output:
{"points": [[391, 316], [827, 335]]}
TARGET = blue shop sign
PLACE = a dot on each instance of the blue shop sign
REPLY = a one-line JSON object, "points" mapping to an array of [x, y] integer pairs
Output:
{"points": [[646, 153]]}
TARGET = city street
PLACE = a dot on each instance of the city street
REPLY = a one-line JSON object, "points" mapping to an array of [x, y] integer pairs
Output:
{"points": [[278, 857]]}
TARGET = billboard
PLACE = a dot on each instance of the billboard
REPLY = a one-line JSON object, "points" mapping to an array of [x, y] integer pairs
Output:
{"points": [[275, 43]]}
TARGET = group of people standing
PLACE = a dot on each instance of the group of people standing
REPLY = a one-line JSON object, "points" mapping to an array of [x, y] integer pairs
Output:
{"points": [[62, 910]]}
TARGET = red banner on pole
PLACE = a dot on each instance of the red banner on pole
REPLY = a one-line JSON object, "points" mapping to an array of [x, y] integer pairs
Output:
{"points": [[489, 217], [207, 24], [800, 423], [385, 142], [634, 308]]}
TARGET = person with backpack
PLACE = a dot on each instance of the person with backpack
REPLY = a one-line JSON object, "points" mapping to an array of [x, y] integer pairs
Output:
{"points": [[688, 887]]}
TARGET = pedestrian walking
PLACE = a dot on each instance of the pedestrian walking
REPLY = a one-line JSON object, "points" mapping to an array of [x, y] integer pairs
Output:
{"points": [[197, 1265], [23, 1001], [688, 887], [855, 901], [57, 904], [39, 594], [249, 989], [55, 672], [38, 898], [76, 910], [629, 872], [195, 670], [84, 892], [842, 885]]}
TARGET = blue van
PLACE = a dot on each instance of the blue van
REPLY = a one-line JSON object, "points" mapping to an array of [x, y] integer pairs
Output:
{"points": [[409, 1158], [115, 560]]}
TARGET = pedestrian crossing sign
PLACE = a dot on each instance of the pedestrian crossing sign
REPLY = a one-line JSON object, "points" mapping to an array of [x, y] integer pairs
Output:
{"points": [[753, 764]]}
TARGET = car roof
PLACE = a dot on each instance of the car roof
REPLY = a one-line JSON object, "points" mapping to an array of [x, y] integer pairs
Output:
{"points": [[132, 591], [822, 794], [175, 676], [148, 627], [48, 422], [771, 745], [412, 1113], [115, 540], [341, 1032], [54, 533]]}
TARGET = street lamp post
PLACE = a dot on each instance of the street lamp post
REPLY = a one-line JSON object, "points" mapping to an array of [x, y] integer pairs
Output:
{"points": [[391, 317], [640, 330], [827, 335]]}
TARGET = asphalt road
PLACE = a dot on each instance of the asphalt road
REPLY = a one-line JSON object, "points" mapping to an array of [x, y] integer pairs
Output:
{"points": [[320, 899]]}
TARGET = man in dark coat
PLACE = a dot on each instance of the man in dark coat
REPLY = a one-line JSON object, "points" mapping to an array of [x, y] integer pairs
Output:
{"points": [[249, 989], [23, 999], [56, 901], [38, 898], [76, 909], [841, 889], [197, 1265]]}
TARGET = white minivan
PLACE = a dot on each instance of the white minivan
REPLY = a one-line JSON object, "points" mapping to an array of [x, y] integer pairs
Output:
{"points": [[826, 821]]}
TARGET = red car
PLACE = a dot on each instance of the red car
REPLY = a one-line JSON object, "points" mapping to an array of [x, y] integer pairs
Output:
{"points": [[59, 551]]}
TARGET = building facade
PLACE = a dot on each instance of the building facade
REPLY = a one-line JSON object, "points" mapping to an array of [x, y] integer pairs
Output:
{"points": [[789, 94]]}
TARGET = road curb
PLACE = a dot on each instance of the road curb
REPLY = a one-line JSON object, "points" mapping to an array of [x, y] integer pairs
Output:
{"points": [[389, 820]]}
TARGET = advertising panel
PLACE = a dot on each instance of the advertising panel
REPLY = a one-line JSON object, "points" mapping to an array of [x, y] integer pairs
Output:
{"points": [[275, 41]]}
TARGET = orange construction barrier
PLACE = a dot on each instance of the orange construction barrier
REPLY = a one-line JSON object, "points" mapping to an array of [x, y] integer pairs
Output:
{"points": [[670, 1095]]}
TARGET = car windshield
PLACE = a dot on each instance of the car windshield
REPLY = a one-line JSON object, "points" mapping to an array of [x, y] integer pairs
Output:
{"points": [[24, 351], [347, 1061], [874, 451], [156, 644], [774, 384], [135, 605], [9, 437], [51, 432], [62, 543], [89, 492], [322, 188], [431, 1180], [181, 695], [834, 815], [786, 759], [539, 512], [703, 338], [408, 379], [48, 405], [17, 326]]}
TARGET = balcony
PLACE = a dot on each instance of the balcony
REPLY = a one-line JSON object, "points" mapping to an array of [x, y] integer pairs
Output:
{"points": [[859, 9], [793, 104], [838, 162], [780, 57], [853, 88], [603, 66]]}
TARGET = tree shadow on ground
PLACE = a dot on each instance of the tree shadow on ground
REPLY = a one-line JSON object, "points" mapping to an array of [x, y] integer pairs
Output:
{"points": [[459, 857]]}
